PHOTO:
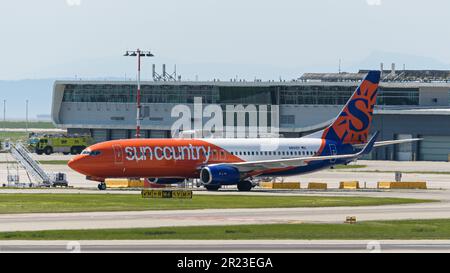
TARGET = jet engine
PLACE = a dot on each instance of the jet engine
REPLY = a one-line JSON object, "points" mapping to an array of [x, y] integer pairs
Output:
{"points": [[220, 175]]}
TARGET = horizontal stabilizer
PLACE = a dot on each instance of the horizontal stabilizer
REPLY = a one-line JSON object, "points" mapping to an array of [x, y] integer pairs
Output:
{"points": [[390, 142]]}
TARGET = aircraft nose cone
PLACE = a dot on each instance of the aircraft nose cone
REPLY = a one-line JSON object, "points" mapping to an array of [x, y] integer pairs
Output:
{"points": [[74, 163]]}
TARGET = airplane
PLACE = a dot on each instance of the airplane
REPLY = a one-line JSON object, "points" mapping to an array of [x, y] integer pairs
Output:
{"points": [[219, 162]]}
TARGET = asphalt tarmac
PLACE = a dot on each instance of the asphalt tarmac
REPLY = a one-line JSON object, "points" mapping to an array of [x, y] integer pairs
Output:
{"points": [[141, 219], [256, 246]]}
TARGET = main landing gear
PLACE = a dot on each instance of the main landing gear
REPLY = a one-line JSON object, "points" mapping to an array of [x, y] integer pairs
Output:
{"points": [[212, 187], [245, 185], [102, 186]]}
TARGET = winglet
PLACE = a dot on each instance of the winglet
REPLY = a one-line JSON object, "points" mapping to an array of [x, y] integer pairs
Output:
{"points": [[369, 146]]}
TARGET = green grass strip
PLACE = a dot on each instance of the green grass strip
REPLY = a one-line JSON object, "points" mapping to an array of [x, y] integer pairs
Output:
{"points": [[49, 203], [23, 124], [374, 230]]}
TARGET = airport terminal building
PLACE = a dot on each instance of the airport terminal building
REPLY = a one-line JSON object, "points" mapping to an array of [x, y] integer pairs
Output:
{"points": [[411, 103]]}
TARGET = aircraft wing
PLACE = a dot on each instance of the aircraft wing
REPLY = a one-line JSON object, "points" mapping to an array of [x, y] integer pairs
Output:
{"points": [[296, 162], [284, 163]]}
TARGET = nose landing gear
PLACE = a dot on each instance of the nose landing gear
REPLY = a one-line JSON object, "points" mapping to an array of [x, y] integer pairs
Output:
{"points": [[102, 186]]}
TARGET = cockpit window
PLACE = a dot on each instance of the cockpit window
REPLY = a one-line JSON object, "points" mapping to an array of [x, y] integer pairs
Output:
{"points": [[91, 153]]}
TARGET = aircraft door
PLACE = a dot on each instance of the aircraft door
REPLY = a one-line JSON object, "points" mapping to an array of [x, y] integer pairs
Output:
{"points": [[118, 154], [333, 151]]}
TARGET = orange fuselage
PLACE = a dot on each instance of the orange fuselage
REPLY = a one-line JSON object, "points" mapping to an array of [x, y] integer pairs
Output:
{"points": [[149, 158]]}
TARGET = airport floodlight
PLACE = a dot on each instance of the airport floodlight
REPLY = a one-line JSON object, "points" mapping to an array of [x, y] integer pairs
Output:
{"points": [[139, 53]]}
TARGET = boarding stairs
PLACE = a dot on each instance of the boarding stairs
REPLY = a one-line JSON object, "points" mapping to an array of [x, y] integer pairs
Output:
{"points": [[33, 168]]}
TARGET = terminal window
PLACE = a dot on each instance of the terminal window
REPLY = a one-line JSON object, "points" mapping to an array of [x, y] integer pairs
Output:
{"points": [[259, 95]]}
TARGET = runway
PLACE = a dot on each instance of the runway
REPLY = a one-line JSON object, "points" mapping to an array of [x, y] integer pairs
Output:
{"points": [[207, 217], [244, 246]]}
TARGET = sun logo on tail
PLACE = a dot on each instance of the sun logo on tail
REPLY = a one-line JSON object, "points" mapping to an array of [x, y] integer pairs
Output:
{"points": [[353, 123]]}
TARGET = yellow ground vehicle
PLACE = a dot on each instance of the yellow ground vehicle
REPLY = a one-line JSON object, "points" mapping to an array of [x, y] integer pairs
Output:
{"points": [[50, 144]]}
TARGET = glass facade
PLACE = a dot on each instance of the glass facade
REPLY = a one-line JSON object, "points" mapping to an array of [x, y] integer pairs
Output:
{"points": [[248, 95], [339, 95], [99, 93], [449, 97], [259, 95], [170, 94], [324, 95], [398, 96]]}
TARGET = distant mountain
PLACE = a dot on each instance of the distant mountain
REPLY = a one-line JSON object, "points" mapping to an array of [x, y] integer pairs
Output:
{"points": [[37, 92], [374, 60]]}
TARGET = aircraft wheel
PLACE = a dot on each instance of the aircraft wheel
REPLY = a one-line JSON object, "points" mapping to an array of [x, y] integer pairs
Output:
{"points": [[102, 186], [245, 186], [212, 187]]}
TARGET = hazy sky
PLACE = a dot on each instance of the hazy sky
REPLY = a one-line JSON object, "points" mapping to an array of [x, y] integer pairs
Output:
{"points": [[63, 38]]}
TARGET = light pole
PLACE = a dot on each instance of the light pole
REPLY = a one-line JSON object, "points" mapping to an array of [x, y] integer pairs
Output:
{"points": [[138, 53]]}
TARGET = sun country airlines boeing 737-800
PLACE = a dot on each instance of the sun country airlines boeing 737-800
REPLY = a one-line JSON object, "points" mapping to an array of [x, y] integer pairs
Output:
{"points": [[217, 162]]}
